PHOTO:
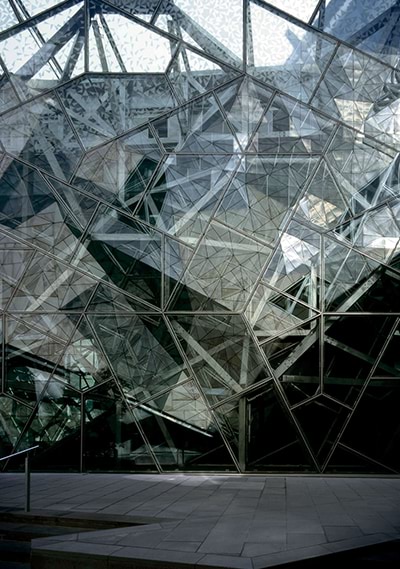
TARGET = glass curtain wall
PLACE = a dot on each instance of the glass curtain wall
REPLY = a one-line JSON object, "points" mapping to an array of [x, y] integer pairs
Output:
{"points": [[200, 234]]}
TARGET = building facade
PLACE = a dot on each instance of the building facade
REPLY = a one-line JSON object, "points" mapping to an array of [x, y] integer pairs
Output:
{"points": [[200, 234]]}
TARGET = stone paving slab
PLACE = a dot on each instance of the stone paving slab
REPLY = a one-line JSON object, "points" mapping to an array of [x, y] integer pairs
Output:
{"points": [[243, 522]]}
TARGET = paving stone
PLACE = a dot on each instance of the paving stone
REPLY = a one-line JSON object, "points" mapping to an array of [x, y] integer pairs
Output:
{"points": [[224, 561], [338, 533]]}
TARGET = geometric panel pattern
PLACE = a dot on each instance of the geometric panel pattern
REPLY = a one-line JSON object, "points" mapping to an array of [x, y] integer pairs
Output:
{"points": [[200, 235]]}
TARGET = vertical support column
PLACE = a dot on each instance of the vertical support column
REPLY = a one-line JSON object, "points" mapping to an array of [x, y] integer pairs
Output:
{"points": [[27, 484], [87, 28], [82, 434], [243, 433]]}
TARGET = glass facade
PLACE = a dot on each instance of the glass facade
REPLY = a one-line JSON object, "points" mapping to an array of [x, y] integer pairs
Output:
{"points": [[200, 234]]}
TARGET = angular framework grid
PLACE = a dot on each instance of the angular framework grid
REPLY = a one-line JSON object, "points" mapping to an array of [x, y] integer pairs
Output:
{"points": [[200, 234]]}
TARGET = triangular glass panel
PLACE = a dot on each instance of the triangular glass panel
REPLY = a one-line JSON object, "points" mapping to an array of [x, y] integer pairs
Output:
{"points": [[371, 26], [36, 57], [225, 267], [197, 128], [288, 127], [119, 172], [270, 313], [361, 167], [244, 102], [213, 387], [8, 18], [59, 326], [345, 460], [185, 192], [330, 417], [29, 209], [192, 74], [262, 193], [348, 276], [301, 10], [141, 351], [323, 204], [185, 299], [295, 268], [351, 347], [228, 416], [126, 252], [388, 363], [143, 9], [382, 123], [300, 372], [75, 204], [285, 60], [8, 97]]}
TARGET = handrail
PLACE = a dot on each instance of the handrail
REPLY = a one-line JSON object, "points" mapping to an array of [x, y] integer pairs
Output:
{"points": [[27, 473], [19, 452]]}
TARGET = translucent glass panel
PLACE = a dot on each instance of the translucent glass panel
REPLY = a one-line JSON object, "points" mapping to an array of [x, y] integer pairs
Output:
{"points": [[369, 25], [284, 54], [199, 234]]}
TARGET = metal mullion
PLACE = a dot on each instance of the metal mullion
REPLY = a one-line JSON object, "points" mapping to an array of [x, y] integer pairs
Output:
{"points": [[156, 12], [87, 29], [305, 401], [341, 404], [82, 435], [246, 24], [322, 319], [316, 10], [3, 353], [323, 73]]}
